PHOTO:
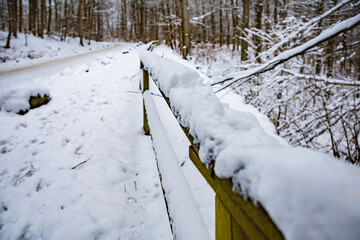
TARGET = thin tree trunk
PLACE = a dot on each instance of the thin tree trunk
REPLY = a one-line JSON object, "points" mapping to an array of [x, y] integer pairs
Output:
{"points": [[80, 22], [66, 19], [20, 15], [221, 29], [43, 18], [49, 19], [10, 7], [276, 5], [124, 30], [213, 25], [14, 17], [319, 12], [245, 24], [258, 25], [185, 28], [235, 37]]}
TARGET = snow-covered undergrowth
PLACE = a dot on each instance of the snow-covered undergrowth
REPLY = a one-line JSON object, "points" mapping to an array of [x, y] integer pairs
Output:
{"points": [[309, 195], [29, 50], [15, 97]]}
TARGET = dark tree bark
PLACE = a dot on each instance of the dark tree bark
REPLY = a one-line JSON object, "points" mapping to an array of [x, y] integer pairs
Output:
{"points": [[57, 14], [49, 18], [276, 5], [235, 18], [80, 22], [221, 29], [213, 24], [20, 15], [14, 17], [258, 25], [124, 20], [245, 25], [10, 22], [43, 19]]}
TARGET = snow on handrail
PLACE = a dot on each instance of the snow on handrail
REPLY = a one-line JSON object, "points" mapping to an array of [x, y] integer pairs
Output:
{"points": [[186, 220], [309, 195]]}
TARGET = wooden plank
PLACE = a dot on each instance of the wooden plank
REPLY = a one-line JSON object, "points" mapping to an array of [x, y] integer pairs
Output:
{"points": [[254, 220], [223, 221], [145, 86], [237, 231]]}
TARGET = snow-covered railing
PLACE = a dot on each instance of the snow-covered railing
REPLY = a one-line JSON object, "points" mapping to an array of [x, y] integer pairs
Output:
{"points": [[264, 190]]}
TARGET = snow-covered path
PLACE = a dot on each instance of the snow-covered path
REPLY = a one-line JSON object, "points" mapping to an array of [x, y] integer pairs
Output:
{"points": [[80, 167]]}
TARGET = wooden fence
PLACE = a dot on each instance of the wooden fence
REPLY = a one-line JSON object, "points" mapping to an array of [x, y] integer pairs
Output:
{"points": [[235, 217]]}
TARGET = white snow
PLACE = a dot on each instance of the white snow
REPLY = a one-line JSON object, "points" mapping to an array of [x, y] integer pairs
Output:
{"points": [[40, 50], [15, 97], [187, 222], [309, 195], [80, 166]]}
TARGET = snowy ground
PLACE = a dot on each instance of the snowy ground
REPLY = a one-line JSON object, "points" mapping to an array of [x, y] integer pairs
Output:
{"points": [[81, 167], [30, 50]]}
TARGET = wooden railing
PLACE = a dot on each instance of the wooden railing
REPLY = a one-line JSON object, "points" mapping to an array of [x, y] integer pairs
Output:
{"points": [[235, 217]]}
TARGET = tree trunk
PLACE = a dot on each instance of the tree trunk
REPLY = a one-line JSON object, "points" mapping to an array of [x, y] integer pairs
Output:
{"points": [[330, 58], [141, 20], [235, 37], [10, 8], [319, 12], [14, 17], [49, 18], [258, 25], [276, 5], [221, 30], [43, 18], [185, 28], [245, 24], [66, 21], [213, 25], [20, 15], [80, 22], [124, 20]]}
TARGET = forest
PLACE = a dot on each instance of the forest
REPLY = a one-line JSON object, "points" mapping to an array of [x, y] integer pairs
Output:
{"points": [[296, 61]]}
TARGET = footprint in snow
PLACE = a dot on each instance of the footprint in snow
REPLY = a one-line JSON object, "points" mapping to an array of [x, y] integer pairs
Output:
{"points": [[65, 141], [4, 150], [78, 150], [21, 125], [131, 200]]}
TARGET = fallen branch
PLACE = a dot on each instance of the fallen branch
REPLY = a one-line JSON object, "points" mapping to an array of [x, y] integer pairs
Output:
{"points": [[79, 164]]}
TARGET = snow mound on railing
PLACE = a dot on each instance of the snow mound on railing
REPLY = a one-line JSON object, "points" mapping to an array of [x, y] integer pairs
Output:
{"points": [[310, 195], [16, 98]]}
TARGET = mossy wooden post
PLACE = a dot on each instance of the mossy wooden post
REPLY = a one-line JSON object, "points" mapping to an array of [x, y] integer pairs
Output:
{"points": [[235, 217], [145, 86]]}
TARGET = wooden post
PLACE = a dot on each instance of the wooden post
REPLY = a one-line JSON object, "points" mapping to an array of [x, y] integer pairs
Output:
{"points": [[145, 86], [140, 78]]}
